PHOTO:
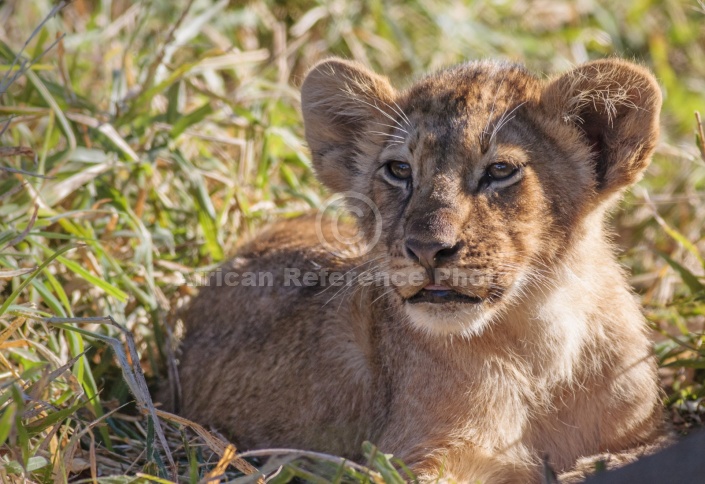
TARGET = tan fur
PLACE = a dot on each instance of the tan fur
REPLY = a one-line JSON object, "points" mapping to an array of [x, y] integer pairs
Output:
{"points": [[553, 361]]}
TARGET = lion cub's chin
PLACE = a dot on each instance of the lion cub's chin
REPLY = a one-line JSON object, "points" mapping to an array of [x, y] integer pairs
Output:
{"points": [[449, 319]]}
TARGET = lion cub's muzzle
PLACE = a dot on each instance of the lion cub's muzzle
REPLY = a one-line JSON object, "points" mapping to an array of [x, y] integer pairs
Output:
{"points": [[444, 285], [432, 242]]}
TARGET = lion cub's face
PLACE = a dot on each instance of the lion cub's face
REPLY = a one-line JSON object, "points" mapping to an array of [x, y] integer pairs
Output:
{"points": [[483, 174]]}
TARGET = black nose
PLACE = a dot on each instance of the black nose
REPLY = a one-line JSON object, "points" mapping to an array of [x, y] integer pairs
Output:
{"points": [[430, 253]]}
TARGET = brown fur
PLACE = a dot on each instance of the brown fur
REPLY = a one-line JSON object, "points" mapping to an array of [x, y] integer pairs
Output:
{"points": [[553, 361]]}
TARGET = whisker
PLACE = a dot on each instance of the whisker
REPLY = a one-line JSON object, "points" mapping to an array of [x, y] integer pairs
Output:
{"points": [[350, 270], [406, 118], [387, 115], [485, 131], [350, 284], [391, 126], [386, 134], [381, 296], [503, 120], [393, 109]]}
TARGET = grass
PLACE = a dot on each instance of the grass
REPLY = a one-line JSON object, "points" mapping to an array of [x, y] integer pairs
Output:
{"points": [[140, 141]]}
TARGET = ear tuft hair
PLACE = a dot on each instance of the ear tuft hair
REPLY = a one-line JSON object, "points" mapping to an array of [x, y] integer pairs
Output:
{"points": [[616, 105], [340, 101]]}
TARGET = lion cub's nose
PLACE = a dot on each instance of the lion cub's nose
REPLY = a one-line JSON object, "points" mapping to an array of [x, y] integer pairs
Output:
{"points": [[430, 253]]}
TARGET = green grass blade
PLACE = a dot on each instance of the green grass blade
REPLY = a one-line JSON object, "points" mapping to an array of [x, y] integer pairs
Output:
{"points": [[190, 119], [691, 280], [29, 278], [108, 288], [7, 420]]}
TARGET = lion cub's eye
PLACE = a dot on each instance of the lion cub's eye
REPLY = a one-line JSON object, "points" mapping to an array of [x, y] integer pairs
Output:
{"points": [[501, 171], [399, 169]]}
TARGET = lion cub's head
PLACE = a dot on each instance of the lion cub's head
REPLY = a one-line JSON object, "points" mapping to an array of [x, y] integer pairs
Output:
{"points": [[484, 175]]}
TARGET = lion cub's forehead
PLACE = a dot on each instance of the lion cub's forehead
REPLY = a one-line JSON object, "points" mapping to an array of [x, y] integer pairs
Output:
{"points": [[458, 104]]}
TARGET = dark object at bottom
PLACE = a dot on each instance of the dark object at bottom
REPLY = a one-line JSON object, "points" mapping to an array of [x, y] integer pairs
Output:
{"points": [[683, 462]]}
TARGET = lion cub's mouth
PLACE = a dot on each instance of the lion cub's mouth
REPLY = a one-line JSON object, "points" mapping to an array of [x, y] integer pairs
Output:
{"points": [[438, 294]]}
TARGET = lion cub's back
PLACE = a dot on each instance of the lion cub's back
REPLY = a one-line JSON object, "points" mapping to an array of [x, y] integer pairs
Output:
{"points": [[250, 338]]}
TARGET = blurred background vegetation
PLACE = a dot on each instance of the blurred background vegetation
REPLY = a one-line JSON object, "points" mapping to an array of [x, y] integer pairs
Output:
{"points": [[141, 140]]}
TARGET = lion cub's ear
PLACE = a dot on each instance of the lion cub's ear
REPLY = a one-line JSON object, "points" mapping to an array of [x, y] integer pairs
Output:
{"points": [[341, 102], [616, 105]]}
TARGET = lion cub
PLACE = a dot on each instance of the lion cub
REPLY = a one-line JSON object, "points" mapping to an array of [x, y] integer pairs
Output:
{"points": [[489, 324]]}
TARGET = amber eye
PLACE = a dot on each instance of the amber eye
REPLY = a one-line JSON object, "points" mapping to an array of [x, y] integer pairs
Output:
{"points": [[399, 169], [501, 171]]}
